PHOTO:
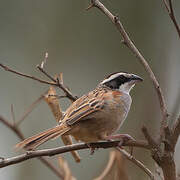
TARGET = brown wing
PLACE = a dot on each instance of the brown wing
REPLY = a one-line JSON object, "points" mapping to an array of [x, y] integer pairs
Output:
{"points": [[83, 107]]}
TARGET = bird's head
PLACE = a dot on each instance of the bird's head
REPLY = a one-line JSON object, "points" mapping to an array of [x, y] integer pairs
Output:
{"points": [[121, 81]]}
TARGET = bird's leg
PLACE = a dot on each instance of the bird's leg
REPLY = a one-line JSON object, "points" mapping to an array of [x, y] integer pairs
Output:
{"points": [[92, 149], [122, 137]]}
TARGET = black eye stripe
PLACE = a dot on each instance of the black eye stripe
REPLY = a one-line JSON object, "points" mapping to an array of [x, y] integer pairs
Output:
{"points": [[118, 81]]}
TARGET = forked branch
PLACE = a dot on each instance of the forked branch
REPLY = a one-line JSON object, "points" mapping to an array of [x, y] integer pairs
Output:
{"points": [[54, 83]]}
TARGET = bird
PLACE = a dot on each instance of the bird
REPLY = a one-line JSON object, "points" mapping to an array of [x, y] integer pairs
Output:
{"points": [[95, 116]]}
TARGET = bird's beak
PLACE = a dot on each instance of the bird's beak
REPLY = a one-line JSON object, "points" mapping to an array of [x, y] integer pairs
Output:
{"points": [[136, 78]]}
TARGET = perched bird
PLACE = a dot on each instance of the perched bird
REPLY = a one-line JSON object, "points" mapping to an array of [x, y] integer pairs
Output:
{"points": [[94, 116]]}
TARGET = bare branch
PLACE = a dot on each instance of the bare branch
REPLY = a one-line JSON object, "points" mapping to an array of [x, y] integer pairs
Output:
{"points": [[45, 60], [30, 109], [166, 5], [164, 158], [64, 149], [44, 72], [176, 132], [137, 162], [26, 75], [12, 127], [58, 84], [171, 14], [21, 137], [128, 42], [170, 10], [168, 166], [13, 114]]}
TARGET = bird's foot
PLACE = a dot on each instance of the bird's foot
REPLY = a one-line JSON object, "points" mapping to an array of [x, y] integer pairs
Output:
{"points": [[92, 149], [123, 138]]}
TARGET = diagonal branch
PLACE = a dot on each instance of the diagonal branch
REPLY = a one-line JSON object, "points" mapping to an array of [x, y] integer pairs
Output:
{"points": [[59, 84], [164, 156], [176, 132], [12, 127], [128, 42], [166, 5], [137, 162], [170, 10], [30, 109], [171, 14]]}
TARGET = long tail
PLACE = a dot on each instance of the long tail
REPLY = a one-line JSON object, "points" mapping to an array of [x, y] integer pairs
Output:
{"points": [[36, 140]]}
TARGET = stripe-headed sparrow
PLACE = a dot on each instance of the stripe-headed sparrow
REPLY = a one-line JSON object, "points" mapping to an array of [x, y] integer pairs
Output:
{"points": [[94, 116]]}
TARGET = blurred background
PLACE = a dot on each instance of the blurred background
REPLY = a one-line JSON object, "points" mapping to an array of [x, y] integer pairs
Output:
{"points": [[85, 46]]}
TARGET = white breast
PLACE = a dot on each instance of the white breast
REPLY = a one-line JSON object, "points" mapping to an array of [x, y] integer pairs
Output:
{"points": [[119, 114]]}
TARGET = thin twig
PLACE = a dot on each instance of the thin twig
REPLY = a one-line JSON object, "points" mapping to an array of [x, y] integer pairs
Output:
{"points": [[30, 109], [21, 137], [13, 114], [137, 162], [176, 131], [41, 68], [166, 5], [170, 11], [15, 129], [44, 72], [6, 68], [61, 86], [45, 60], [128, 42]]}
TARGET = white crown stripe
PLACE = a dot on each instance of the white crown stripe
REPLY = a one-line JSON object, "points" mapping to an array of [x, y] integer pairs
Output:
{"points": [[112, 77]]}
